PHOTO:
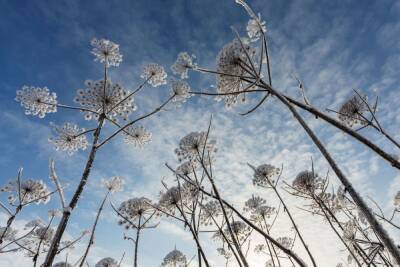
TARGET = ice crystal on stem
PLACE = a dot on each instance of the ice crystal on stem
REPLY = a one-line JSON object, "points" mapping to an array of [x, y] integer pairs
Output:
{"points": [[69, 138], [255, 28], [351, 112], [155, 74], [107, 262], [112, 99], [37, 101], [137, 135], [193, 145], [183, 63], [231, 61], [175, 258], [29, 191], [106, 52]]}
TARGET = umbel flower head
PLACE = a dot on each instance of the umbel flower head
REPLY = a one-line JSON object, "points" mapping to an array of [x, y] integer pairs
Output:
{"points": [[106, 52], [40, 235], [69, 138], [307, 181], [133, 209], [107, 262], [230, 61], [351, 112], [264, 175], [112, 99], [155, 74], [137, 135], [186, 168], [210, 212], [193, 145], [114, 184], [285, 241], [180, 90], [9, 235], [169, 199], [183, 63], [37, 101], [30, 191], [239, 229], [175, 258]]}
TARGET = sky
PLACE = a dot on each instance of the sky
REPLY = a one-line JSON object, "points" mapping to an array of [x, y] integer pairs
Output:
{"points": [[333, 46]]}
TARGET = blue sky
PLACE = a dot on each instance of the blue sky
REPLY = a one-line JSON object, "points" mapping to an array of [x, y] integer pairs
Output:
{"points": [[333, 46]]}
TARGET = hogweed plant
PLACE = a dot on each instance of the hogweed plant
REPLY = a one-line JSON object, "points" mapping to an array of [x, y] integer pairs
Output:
{"points": [[242, 65], [107, 104]]}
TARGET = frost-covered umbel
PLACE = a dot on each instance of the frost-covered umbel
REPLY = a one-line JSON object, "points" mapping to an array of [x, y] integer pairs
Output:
{"points": [[240, 230], [114, 184], [107, 262], [9, 235], [285, 241], [210, 212], [37, 101], [134, 208], [351, 112], [31, 191], [230, 61], [155, 74], [307, 181], [69, 138], [186, 168], [180, 90], [183, 63], [137, 135], [41, 235], [113, 97], [106, 52], [397, 200], [193, 145], [175, 258], [264, 174]]}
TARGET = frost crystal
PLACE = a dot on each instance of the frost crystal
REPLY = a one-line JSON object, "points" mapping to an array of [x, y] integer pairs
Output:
{"points": [[255, 27], [192, 145], [175, 258], [351, 112], [183, 63], [230, 61], [155, 74], [106, 52], [30, 191], [114, 184], [37, 101], [264, 174], [113, 97], [180, 90], [137, 135], [69, 138], [107, 262]]}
